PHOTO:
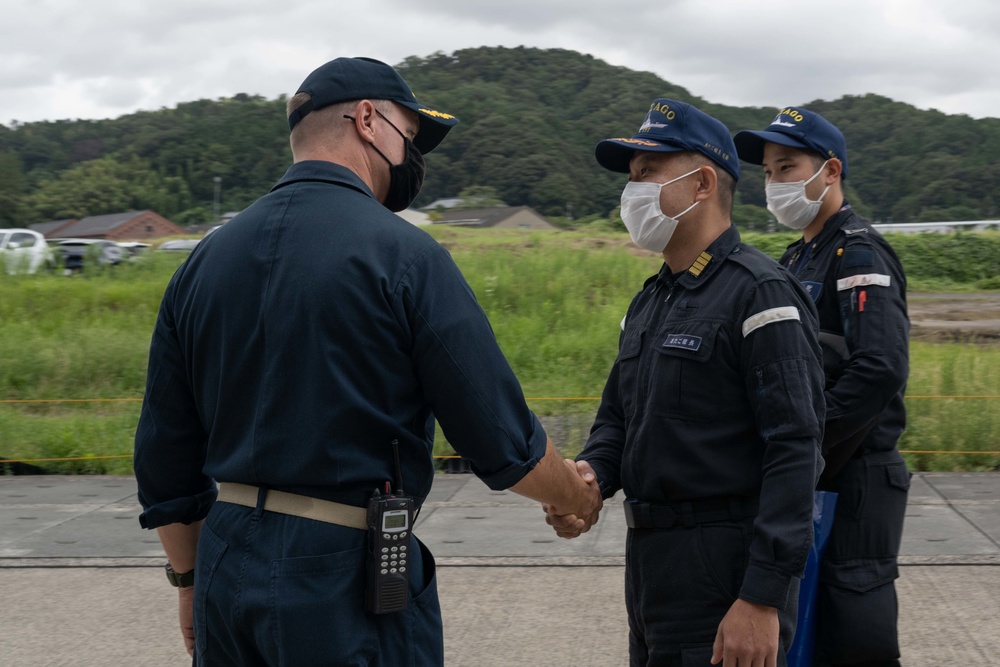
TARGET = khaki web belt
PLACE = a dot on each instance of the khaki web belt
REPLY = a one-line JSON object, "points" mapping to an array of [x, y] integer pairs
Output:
{"points": [[295, 505]]}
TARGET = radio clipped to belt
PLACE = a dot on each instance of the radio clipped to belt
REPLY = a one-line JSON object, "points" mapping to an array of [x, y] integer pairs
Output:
{"points": [[390, 516]]}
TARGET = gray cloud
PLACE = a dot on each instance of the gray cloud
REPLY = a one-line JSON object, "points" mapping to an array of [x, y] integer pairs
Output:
{"points": [[61, 58]]}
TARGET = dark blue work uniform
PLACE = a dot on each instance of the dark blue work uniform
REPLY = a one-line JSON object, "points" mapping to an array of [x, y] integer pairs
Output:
{"points": [[711, 422], [859, 288], [291, 348]]}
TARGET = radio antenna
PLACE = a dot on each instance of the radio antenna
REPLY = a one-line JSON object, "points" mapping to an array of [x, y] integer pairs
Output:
{"points": [[399, 469]]}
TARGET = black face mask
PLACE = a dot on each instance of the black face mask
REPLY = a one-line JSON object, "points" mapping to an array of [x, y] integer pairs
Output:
{"points": [[406, 178]]}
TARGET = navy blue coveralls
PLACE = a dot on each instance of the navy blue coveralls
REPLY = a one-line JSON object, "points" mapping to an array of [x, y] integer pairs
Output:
{"points": [[859, 288], [291, 348], [711, 421]]}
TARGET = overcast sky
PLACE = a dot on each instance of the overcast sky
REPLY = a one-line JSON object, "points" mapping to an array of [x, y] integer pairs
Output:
{"points": [[105, 58]]}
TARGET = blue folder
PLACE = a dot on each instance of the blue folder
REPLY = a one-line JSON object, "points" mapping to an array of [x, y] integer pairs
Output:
{"points": [[801, 653]]}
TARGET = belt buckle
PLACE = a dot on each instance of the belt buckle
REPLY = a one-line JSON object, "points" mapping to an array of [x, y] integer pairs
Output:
{"points": [[646, 515]]}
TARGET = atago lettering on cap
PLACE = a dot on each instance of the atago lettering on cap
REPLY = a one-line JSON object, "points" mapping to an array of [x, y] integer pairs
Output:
{"points": [[792, 113], [664, 109]]}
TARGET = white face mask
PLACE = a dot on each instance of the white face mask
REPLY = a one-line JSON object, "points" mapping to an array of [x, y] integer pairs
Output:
{"points": [[789, 204], [649, 228]]}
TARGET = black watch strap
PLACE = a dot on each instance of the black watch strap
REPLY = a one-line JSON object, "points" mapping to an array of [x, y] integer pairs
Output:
{"points": [[179, 579]]}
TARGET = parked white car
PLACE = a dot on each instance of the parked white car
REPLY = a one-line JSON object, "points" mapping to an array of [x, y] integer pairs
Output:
{"points": [[133, 249], [91, 252], [24, 251], [179, 245]]}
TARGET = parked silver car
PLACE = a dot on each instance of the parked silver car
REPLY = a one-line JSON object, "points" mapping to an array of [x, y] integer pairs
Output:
{"points": [[24, 251], [75, 253]]}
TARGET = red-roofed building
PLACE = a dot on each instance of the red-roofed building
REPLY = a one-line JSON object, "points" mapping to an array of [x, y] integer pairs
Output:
{"points": [[131, 225]]}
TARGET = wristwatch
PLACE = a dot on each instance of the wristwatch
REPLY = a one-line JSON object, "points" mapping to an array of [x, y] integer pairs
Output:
{"points": [[179, 579]]}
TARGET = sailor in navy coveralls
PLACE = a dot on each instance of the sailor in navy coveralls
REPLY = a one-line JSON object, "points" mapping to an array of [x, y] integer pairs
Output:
{"points": [[857, 283], [292, 347], [712, 415]]}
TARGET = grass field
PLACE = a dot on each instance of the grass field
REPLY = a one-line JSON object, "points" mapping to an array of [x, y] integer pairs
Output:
{"points": [[555, 301]]}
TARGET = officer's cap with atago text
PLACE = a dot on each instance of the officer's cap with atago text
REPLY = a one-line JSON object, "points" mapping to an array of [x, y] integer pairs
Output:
{"points": [[798, 128], [671, 126]]}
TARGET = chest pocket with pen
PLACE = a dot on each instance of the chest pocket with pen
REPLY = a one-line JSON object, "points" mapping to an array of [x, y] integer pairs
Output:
{"points": [[682, 382]]}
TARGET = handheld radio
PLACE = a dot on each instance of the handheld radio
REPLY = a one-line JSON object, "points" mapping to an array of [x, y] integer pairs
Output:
{"points": [[389, 521]]}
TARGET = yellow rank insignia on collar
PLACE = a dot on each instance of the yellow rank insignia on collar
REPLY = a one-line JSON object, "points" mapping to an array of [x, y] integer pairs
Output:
{"points": [[700, 264]]}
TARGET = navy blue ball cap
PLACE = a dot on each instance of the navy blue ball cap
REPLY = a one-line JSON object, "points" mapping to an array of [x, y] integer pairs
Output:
{"points": [[669, 127], [796, 127], [347, 79]]}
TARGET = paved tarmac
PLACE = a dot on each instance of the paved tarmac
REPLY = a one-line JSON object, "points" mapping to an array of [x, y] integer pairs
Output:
{"points": [[81, 584]]}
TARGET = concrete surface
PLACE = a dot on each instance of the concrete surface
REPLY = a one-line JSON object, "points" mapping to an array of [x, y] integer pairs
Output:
{"points": [[82, 584]]}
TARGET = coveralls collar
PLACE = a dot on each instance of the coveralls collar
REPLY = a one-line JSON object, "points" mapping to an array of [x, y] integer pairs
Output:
{"points": [[324, 172], [830, 228], [707, 263]]}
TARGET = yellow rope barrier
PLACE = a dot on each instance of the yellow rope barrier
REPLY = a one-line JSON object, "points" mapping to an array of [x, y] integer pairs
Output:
{"points": [[535, 398], [546, 398], [953, 397], [71, 400], [581, 398], [942, 451], [68, 458], [128, 456]]}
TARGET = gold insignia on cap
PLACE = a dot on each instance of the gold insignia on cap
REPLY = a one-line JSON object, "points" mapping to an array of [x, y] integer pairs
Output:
{"points": [[700, 264], [638, 142], [840, 251], [436, 114]]}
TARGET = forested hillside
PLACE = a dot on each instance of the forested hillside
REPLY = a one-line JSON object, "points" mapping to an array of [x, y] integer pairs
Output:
{"points": [[530, 120]]}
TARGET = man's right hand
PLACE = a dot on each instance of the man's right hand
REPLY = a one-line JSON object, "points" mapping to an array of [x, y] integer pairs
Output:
{"points": [[747, 635], [570, 525]]}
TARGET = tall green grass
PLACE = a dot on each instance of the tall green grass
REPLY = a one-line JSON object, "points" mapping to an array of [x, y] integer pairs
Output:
{"points": [[937, 423], [555, 300], [556, 304]]}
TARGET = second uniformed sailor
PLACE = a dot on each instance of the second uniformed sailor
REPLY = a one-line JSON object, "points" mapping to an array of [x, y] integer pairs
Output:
{"points": [[857, 282]]}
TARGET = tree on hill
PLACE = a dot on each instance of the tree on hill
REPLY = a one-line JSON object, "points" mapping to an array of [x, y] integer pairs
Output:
{"points": [[530, 121]]}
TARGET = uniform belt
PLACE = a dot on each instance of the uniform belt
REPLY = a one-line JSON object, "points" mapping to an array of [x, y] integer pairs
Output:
{"points": [[295, 505], [687, 514]]}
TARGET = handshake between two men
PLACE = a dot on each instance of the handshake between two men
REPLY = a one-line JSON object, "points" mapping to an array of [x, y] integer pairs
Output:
{"points": [[568, 491], [567, 524]]}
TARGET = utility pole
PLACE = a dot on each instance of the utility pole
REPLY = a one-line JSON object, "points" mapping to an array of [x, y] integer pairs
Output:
{"points": [[215, 199]]}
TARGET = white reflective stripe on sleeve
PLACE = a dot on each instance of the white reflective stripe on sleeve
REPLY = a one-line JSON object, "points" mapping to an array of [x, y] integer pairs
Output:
{"points": [[623, 321], [879, 279], [769, 317]]}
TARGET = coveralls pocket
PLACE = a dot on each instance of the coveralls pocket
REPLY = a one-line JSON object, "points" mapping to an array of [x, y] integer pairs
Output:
{"points": [[898, 476], [724, 555], [870, 509], [857, 604], [211, 547], [852, 490], [890, 492], [425, 647], [628, 370], [681, 386], [319, 601], [858, 610]]}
